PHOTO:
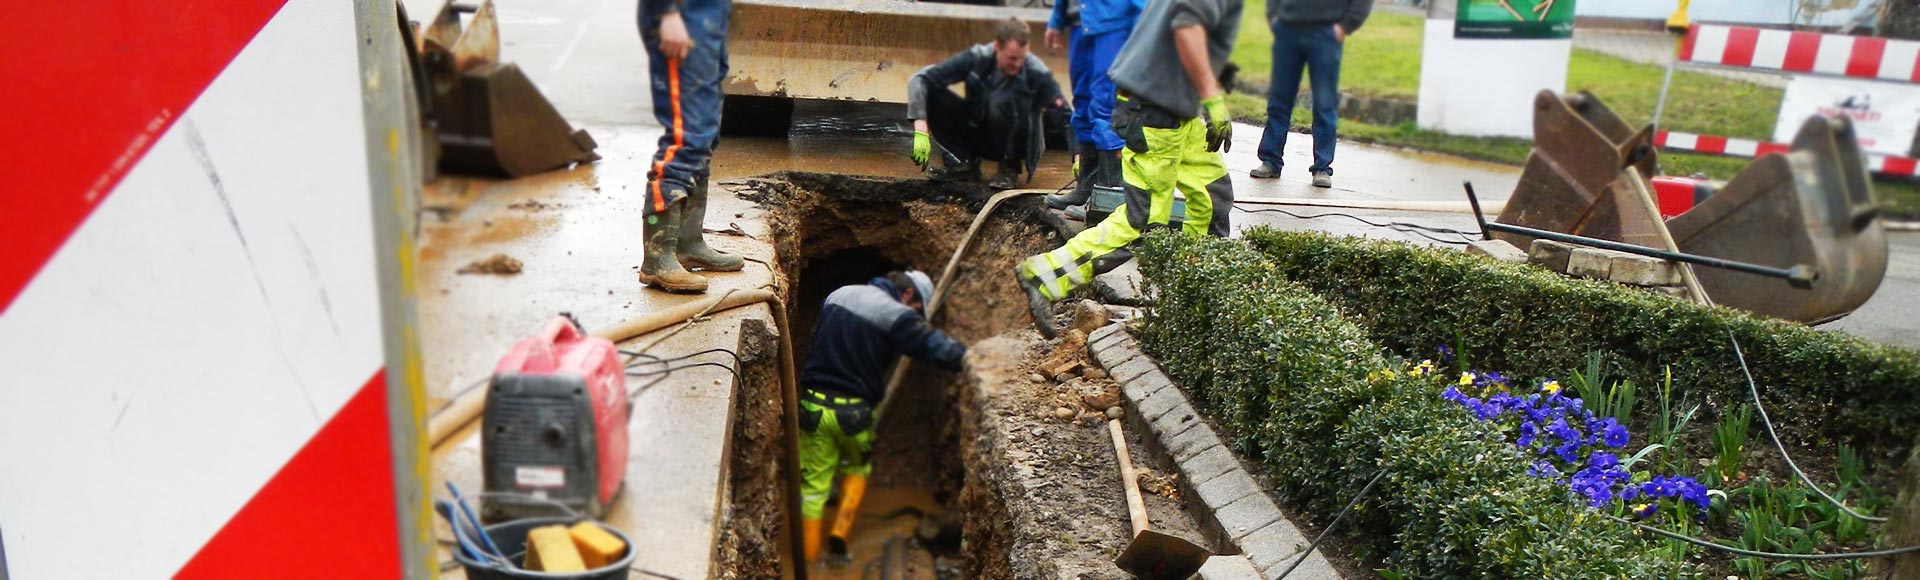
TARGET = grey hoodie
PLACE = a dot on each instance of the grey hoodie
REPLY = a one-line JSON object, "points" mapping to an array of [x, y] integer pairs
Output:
{"points": [[1148, 67]]}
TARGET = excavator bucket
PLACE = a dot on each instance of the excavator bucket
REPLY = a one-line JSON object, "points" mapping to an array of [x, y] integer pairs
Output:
{"points": [[1812, 205], [1579, 148], [488, 118], [861, 50]]}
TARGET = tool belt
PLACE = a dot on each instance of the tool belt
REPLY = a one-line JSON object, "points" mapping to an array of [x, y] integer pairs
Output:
{"points": [[852, 413]]}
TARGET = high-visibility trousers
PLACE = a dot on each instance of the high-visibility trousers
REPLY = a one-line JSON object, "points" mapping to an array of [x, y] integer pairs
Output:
{"points": [[1164, 151]]}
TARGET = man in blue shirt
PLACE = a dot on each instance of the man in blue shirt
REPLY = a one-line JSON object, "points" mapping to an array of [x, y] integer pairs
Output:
{"points": [[1099, 28]]}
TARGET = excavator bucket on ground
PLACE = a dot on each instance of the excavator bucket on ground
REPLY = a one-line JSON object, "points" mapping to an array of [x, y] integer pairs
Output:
{"points": [[1812, 206], [859, 50], [486, 116]]}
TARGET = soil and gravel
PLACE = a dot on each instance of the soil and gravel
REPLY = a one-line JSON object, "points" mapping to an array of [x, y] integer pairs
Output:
{"points": [[1039, 495]]}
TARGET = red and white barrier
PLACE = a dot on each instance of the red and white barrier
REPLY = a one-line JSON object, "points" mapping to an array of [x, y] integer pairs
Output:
{"points": [[1802, 52], [1715, 145], [191, 315]]}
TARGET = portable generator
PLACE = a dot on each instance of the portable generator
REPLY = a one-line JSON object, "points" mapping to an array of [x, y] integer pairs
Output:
{"points": [[554, 430]]}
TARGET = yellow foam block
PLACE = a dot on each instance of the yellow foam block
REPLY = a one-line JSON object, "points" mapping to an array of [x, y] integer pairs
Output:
{"points": [[550, 549], [598, 547]]}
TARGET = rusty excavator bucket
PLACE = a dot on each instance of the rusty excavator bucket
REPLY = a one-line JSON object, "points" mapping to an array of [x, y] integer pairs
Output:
{"points": [[1810, 207], [487, 116]]}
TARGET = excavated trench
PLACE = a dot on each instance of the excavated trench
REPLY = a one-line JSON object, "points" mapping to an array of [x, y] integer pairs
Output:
{"points": [[954, 493]]}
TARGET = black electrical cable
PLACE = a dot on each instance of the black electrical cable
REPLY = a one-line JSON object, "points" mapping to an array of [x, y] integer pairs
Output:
{"points": [[1336, 522], [1769, 555], [671, 359], [1404, 227], [662, 374], [1754, 389]]}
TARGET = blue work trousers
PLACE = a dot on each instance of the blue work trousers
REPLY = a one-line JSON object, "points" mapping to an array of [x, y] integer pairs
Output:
{"points": [[1089, 57], [1314, 50], [686, 101]]}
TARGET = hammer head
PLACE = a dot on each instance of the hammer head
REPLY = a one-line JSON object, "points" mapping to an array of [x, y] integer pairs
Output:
{"points": [[1156, 556]]}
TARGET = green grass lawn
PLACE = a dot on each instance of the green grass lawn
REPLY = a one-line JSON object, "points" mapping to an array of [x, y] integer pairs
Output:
{"points": [[1383, 60]]}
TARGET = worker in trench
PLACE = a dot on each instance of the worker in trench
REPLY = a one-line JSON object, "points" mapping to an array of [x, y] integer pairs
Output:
{"points": [[686, 43], [1097, 29], [1175, 126], [1001, 118], [861, 331]]}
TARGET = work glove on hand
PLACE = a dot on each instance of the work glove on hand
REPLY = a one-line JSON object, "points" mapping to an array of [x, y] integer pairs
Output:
{"points": [[922, 147], [1219, 123]]}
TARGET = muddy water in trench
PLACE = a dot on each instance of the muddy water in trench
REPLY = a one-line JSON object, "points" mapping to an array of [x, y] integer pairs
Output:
{"points": [[886, 514]]}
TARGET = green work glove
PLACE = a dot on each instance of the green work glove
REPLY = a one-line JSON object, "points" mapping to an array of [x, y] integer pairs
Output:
{"points": [[922, 147], [1076, 166], [1219, 123]]}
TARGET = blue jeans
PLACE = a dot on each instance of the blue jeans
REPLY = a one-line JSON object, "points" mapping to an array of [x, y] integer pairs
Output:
{"points": [[686, 101], [1090, 55], [1314, 49]]}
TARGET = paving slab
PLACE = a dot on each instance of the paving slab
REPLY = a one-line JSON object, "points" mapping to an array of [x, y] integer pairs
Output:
{"points": [[1229, 568]]}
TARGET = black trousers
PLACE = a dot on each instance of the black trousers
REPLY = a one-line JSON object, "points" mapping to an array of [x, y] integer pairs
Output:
{"points": [[1001, 137]]}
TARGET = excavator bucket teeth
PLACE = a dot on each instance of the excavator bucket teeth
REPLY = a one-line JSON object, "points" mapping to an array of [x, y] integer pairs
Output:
{"points": [[498, 123], [1810, 206]]}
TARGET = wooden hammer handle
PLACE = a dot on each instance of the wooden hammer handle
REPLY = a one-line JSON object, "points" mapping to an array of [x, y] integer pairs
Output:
{"points": [[1136, 508]]}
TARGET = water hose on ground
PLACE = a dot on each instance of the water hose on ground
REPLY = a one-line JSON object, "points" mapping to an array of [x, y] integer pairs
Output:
{"points": [[465, 408]]}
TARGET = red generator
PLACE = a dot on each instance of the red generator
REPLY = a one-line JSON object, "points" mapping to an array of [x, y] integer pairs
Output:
{"points": [[555, 426]]}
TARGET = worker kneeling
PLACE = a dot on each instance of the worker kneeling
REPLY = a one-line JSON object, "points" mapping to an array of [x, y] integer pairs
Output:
{"points": [[862, 330], [1008, 91]]}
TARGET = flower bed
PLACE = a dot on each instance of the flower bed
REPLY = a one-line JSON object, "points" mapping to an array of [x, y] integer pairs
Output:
{"points": [[1287, 378], [1821, 386]]}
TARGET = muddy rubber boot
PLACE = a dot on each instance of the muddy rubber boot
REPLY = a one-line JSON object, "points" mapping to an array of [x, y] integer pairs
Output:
{"points": [[694, 251], [1083, 180], [810, 537], [661, 268], [1005, 178], [1037, 305]]}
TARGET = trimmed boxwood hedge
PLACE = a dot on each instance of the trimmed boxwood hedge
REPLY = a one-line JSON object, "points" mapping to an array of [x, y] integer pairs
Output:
{"points": [[1286, 377], [1528, 322]]}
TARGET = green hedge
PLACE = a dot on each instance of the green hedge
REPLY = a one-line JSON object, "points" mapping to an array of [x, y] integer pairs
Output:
{"points": [[1286, 376], [1528, 322]]}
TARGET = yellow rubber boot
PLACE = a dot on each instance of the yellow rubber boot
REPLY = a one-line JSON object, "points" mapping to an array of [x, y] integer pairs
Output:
{"points": [[810, 532], [852, 489]]}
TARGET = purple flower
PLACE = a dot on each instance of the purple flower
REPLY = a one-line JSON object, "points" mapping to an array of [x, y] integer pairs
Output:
{"points": [[1446, 354], [1568, 452], [1454, 394], [1527, 434], [1543, 468], [1614, 435]]}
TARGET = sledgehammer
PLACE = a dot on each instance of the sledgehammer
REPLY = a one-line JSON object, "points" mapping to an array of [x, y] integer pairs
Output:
{"points": [[1151, 555]]}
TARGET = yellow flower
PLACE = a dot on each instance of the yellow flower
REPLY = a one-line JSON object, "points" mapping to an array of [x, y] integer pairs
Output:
{"points": [[1466, 378], [1550, 387]]}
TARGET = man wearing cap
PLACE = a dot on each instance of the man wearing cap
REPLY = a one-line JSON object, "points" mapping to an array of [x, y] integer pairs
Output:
{"points": [[862, 330]]}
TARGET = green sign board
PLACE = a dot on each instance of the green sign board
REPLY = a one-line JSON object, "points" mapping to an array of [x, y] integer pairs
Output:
{"points": [[1514, 19]]}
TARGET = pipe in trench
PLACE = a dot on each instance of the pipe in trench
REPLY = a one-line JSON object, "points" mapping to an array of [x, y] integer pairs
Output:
{"points": [[467, 407]]}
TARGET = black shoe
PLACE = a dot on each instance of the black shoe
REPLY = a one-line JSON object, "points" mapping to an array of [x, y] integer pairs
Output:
{"points": [[969, 171], [837, 553], [1003, 180], [1038, 305], [1264, 171]]}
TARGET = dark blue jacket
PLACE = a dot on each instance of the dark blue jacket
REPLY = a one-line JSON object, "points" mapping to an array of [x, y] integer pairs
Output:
{"points": [[861, 331]]}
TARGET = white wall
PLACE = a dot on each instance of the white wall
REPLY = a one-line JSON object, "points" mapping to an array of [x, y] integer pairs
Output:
{"points": [[1771, 12], [1486, 87]]}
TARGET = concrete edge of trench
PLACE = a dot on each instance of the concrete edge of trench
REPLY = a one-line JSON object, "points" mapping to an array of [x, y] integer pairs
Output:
{"points": [[1230, 502]]}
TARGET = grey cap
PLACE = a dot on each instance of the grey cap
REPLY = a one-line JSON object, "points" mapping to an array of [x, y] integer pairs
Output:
{"points": [[922, 285]]}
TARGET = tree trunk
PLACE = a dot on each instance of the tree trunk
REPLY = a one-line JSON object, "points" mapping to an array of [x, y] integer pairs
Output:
{"points": [[1903, 529], [1901, 20]]}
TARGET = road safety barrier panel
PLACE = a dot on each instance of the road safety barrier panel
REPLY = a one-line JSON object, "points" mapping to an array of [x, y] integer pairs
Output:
{"points": [[204, 303]]}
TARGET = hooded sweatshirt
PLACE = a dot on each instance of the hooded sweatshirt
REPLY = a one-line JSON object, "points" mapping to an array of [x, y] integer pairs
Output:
{"points": [[861, 331]]}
